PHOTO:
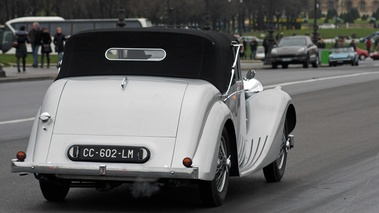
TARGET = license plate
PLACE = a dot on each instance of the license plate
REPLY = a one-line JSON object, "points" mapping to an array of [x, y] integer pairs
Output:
{"points": [[118, 154], [340, 62], [286, 59]]}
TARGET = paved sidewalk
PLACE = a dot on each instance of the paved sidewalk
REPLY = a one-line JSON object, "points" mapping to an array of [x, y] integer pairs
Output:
{"points": [[31, 74], [50, 73]]}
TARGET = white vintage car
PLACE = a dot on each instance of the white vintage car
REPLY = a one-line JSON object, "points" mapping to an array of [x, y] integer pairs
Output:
{"points": [[156, 105]]}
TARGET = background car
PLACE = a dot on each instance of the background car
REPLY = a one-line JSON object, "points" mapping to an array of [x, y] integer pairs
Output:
{"points": [[248, 39], [295, 50], [362, 54], [374, 55], [363, 39], [343, 55], [260, 54], [327, 26]]}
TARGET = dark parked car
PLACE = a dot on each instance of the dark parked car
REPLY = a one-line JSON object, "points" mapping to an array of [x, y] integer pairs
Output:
{"points": [[295, 50], [371, 36]]}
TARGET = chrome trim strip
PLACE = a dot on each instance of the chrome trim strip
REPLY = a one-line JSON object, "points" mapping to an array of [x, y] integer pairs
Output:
{"points": [[233, 69], [93, 170]]}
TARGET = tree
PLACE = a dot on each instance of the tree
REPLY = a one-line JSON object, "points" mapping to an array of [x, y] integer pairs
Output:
{"points": [[354, 13], [178, 12], [376, 14], [332, 13]]}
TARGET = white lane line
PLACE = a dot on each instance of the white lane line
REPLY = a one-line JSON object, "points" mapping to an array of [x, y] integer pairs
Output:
{"points": [[266, 87], [16, 121], [320, 79]]}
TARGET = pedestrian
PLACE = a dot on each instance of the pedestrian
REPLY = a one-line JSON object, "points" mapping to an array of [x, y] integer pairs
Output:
{"points": [[35, 40], [353, 45], [59, 42], [46, 46], [336, 43], [242, 49], [20, 45], [368, 44], [253, 48], [265, 46], [320, 43]]}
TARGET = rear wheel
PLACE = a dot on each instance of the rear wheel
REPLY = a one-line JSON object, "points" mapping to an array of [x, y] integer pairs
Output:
{"points": [[275, 171], [54, 191], [362, 57], [284, 66], [274, 65], [214, 192]]}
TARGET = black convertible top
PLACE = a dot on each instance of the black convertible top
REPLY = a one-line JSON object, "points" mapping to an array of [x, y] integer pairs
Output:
{"points": [[197, 54]]}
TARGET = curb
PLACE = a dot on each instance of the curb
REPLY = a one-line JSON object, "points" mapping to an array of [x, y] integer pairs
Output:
{"points": [[28, 78]]}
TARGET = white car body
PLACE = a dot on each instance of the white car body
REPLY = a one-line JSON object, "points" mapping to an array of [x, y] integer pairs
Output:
{"points": [[166, 119]]}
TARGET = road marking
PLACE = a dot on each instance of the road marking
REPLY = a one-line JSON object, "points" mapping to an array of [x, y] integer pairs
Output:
{"points": [[16, 121], [319, 79], [266, 87]]}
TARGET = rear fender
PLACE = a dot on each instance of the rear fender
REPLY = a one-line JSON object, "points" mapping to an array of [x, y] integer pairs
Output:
{"points": [[42, 131], [206, 154]]}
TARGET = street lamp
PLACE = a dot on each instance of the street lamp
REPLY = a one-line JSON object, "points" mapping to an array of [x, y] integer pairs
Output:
{"points": [[240, 20], [315, 27], [270, 38], [121, 17], [207, 17]]}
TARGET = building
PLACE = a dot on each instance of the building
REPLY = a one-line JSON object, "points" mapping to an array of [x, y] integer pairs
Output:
{"points": [[365, 7]]}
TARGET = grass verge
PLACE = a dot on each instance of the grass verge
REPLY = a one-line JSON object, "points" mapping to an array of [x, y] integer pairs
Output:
{"points": [[10, 59]]}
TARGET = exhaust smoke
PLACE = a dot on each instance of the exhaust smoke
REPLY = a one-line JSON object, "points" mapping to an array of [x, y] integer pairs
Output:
{"points": [[144, 189]]}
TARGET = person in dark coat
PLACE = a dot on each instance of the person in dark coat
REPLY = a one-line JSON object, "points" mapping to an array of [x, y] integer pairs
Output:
{"points": [[46, 46], [353, 45], [320, 43], [253, 48], [20, 45], [265, 46], [35, 41], [59, 42]]}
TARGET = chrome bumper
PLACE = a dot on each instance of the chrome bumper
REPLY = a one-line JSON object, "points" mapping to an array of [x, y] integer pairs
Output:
{"points": [[102, 171]]}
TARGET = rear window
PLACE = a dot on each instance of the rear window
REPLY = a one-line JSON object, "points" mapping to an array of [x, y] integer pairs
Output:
{"points": [[135, 54]]}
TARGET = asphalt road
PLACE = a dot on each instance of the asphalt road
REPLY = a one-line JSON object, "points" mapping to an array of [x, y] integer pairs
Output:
{"points": [[334, 166]]}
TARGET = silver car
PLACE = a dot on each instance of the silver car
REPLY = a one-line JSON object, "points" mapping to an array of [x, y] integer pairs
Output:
{"points": [[161, 106], [295, 50]]}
